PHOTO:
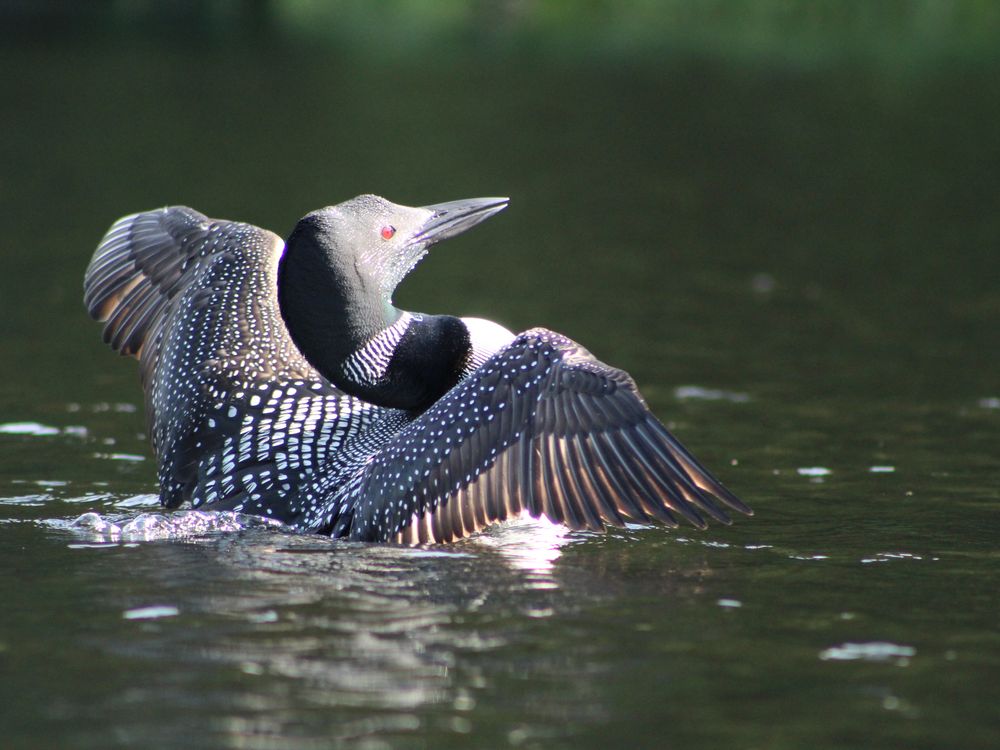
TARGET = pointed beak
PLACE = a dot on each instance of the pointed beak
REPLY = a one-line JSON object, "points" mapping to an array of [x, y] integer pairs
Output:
{"points": [[454, 217]]}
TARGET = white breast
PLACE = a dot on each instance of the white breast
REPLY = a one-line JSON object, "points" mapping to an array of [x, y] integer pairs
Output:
{"points": [[487, 339]]}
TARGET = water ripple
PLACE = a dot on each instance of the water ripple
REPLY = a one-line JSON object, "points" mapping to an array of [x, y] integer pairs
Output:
{"points": [[35, 429], [696, 392], [870, 651]]}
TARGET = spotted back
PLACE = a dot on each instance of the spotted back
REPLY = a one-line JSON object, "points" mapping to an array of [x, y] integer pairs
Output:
{"points": [[285, 450]]}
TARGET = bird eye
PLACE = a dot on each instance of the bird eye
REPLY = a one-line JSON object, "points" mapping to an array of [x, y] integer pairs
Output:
{"points": [[388, 232]]}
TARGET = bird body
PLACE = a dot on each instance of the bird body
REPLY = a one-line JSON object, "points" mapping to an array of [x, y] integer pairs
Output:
{"points": [[280, 381]]}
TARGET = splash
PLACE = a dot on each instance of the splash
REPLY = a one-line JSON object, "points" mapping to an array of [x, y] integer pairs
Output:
{"points": [[179, 525]]}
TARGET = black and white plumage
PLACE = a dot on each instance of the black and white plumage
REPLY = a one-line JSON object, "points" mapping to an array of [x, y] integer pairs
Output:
{"points": [[280, 381]]}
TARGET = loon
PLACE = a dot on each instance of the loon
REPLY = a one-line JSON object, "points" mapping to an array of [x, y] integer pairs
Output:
{"points": [[281, 381]]}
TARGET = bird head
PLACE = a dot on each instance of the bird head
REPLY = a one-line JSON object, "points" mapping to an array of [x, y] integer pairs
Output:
{"points": [[371, 240]]}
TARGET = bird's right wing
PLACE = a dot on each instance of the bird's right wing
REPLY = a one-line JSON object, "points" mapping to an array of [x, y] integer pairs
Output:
{"points": [[140, 265], [194, 299], [145, 261], [542, 426]]}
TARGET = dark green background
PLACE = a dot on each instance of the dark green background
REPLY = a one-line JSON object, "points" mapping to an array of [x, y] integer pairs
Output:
{"points": [[794, 207]]}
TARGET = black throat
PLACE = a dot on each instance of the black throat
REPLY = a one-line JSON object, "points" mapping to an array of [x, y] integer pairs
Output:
{"points": [[328, 305], [429, 359], [334, 311]]}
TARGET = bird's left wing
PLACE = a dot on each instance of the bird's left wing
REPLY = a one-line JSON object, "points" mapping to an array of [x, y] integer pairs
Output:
{"points": [[544, 427]]}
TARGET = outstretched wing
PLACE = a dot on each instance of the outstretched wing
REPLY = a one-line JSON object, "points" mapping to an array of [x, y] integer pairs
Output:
{"points": [[138, 269], [144, 263], [195, 300], [544, 427]]}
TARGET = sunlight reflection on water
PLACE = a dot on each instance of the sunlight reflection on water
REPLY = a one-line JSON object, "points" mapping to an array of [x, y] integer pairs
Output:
{"points": [[527, 544]]}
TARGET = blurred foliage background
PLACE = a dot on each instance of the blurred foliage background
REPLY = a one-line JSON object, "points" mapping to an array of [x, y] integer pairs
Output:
{"points": [[817, 171], [891, 32]]}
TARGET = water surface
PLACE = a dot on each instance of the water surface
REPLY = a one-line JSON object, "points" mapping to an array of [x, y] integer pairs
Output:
{"points": [[796, 258]]}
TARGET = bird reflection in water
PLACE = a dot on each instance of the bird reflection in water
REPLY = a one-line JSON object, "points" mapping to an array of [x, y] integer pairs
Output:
{"points": [[376, 640]]}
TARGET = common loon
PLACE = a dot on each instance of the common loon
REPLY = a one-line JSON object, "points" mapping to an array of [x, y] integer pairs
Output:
{"points": [[281, 381]]}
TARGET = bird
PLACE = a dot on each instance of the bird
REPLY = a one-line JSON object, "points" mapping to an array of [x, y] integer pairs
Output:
{"points": [[280, 381]]}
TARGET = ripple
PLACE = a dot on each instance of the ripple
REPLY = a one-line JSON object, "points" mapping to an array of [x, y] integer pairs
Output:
{"points": [[816, 474], [148, 500], [37, 429], [104, 406], [28, 428], [880, 557], [153, 612], [696, 392], [26, 500], [870, 651]]}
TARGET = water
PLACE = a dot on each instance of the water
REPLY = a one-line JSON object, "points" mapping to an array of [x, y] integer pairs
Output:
{"points": [[795, 255]]}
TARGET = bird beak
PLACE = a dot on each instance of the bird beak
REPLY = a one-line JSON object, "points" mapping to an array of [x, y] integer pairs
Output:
{"points": [[454, 217]]}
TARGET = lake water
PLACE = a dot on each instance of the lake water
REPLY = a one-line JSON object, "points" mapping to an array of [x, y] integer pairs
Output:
{"points": [[796, 257]]}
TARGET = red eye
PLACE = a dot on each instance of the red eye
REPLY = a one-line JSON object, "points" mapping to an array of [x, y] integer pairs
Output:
{"points": [[388, 232]]}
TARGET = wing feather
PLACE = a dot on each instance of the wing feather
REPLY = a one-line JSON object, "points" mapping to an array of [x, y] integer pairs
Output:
{"points": [[138, 268], [549, 429]]}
